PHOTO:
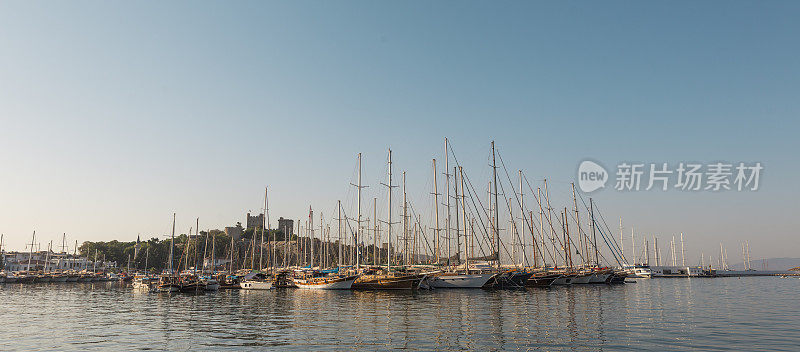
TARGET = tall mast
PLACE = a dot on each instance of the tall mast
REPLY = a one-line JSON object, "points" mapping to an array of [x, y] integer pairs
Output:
{"points": [[389, 222], [172, 244], [447, 198], [437, 230], [594, 233], [633, 247], [578, 222], [263, 227], [464, 212], [657, 252], [75, 253], [496, 206], [567, 257], [405, 223], [375, 230], [535, 248], [47, 256], [621, 240], [358, 225], [458, 225], [213, 252], [541, 223], [683, 254], [30, 256], [513, 231], [274, 239], [196, 243], [339, 219], [550, 221], [186, 249], [747, 243], [146, 258], [311, 230], [522, 216], [205, 251]]}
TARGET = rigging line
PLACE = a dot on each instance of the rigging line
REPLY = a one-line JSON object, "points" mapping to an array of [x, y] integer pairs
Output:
{"points": [[602, 234], [519, 203], [482, 227], [503, 192], [485, 231], [553, 237], [421, 230], [616, 245], [472, 199], [585, 236], [615, 251], [541, 233]]}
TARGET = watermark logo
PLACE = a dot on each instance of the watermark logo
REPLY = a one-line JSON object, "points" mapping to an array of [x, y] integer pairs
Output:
{"points": [[684, 176], [591, 176]]}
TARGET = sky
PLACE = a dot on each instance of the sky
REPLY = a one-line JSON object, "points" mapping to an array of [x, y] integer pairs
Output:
{"points": [[114, 115]]}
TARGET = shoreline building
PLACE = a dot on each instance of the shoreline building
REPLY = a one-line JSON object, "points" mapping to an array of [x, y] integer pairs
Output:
{"points": [[286, 226], [254, 222]]}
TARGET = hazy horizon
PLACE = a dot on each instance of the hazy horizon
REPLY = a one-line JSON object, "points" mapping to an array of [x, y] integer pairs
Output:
{"points": [[116, 115]]}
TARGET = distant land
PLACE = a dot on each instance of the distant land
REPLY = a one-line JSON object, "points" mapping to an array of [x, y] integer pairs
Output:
{"points": [[772, 264]]}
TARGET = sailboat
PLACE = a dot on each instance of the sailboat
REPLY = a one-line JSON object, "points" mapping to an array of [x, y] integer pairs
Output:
{"points": [[385, 279], [169, 282], [455, 278], [256, 281]]}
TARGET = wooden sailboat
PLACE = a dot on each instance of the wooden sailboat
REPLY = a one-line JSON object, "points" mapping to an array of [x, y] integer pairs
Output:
{"points": [[386, 279], [458, 278], [169, 282]]}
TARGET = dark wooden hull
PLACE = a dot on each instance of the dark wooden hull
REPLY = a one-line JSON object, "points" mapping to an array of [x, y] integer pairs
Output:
{"points": [[510, 280], [617, 278], [541, 280], [388, 282]]}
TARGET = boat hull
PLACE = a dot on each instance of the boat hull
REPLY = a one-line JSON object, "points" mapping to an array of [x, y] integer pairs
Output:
{"points": [[26, 279], [509, 280], [542, 280], [388, 282], [256, 285], [59, 279], [341, 283], [599, 278], [460, 281], [168, 288], [582, 279], [563, 280]]}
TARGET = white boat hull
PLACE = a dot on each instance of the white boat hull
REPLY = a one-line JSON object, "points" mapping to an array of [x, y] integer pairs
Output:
{"points": [[460, 281], [255, 285]]}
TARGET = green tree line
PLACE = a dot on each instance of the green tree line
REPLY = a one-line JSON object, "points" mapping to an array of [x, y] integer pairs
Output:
{"points": [[188, 251]]}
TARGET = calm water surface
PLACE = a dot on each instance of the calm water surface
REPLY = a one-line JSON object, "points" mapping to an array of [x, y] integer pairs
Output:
{"points": [[661, 314]]}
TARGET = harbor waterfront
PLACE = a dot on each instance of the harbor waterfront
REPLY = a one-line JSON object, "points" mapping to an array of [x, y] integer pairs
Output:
{"points": [[650, 315]]}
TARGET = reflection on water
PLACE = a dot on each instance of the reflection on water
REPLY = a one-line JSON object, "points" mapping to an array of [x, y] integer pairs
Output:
{"points": [[709, 314]]}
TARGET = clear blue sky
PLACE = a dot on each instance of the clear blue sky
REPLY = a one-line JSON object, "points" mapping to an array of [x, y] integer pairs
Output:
{"points": [[113, 115]]}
